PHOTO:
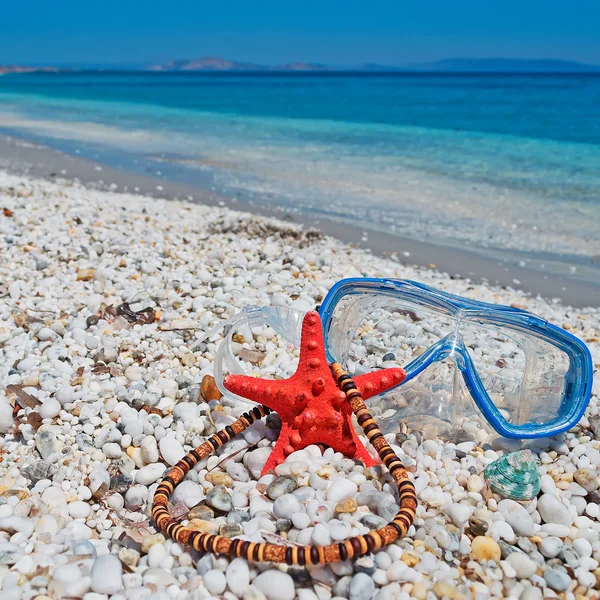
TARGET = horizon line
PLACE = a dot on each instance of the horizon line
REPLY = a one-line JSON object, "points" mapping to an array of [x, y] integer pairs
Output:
{"points": [[406, 66]]}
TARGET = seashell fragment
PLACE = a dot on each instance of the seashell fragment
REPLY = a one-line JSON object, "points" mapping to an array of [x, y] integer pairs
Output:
{"points": [[209, 389], [39, 470], [514, 476]]}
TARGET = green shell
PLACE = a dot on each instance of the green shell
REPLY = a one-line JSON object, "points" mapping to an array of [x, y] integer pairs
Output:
{"points": [[514, 476]]}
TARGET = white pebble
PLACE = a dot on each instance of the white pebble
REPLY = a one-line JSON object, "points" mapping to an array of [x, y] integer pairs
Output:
{"points": [[320, 535], [50, 408], [459, 514], [214, 581], [149, 450], [112, 450], [169, 388], [275, 585], [340, 489], [517, 517], [6, 417], [551, 546], [172, 451], [285, 506], [189, 493], [255, 460], [300, 520], [64, 394], [149, 474], [238, 576], [339, 530], [79, 509], [548, 485], [553, 511], [107, 574], [522, 564], [582, 547]]}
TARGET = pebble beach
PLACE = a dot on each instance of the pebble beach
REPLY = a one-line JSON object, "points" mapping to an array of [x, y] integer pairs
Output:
{"points": [[106, 300]]}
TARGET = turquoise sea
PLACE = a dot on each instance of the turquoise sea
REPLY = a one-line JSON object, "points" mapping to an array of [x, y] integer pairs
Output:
{"points": [[491, 161]]}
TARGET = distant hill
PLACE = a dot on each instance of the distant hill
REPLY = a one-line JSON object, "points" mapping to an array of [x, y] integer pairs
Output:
{"points": [[508, 65], [215, 63], [455, 65]]}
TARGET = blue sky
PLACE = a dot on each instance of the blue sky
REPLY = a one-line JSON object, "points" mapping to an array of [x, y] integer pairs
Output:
{"points": [[333, 32]]}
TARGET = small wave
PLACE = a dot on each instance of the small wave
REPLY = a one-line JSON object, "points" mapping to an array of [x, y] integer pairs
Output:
{"points": [[86, 131]]}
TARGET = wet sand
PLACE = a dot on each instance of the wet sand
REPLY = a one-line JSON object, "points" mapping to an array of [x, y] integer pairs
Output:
{"points": [[22, 157]]}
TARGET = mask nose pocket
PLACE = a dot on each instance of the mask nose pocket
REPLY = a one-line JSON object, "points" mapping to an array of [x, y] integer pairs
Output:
{"points": [[436, 403]]}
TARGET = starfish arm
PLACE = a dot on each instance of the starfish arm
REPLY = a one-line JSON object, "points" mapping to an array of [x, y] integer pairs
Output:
{"points": [[377, 382], [312, 346], [242, 385], [261, 391]]}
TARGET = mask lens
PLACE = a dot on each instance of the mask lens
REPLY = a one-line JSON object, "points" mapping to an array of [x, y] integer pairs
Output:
{"points": [[436, 403], [369, 331], [262, 352], [257, 351], [524, 376]]}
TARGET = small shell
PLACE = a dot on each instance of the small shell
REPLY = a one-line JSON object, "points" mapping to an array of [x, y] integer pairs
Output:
{"points": [[514, 476]]}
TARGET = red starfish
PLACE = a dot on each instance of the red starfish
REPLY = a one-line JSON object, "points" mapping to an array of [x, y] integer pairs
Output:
{"points": [[312, 408]]}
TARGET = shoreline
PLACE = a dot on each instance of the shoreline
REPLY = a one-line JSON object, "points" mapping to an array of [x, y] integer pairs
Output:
{"points": [[20, 156]]}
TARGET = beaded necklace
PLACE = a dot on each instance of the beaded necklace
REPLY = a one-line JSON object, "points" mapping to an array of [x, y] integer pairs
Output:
{"points": [[291, 554]]}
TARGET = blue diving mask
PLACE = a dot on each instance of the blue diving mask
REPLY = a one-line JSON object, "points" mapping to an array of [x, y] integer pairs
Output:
{"points": [[464, 360]]}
